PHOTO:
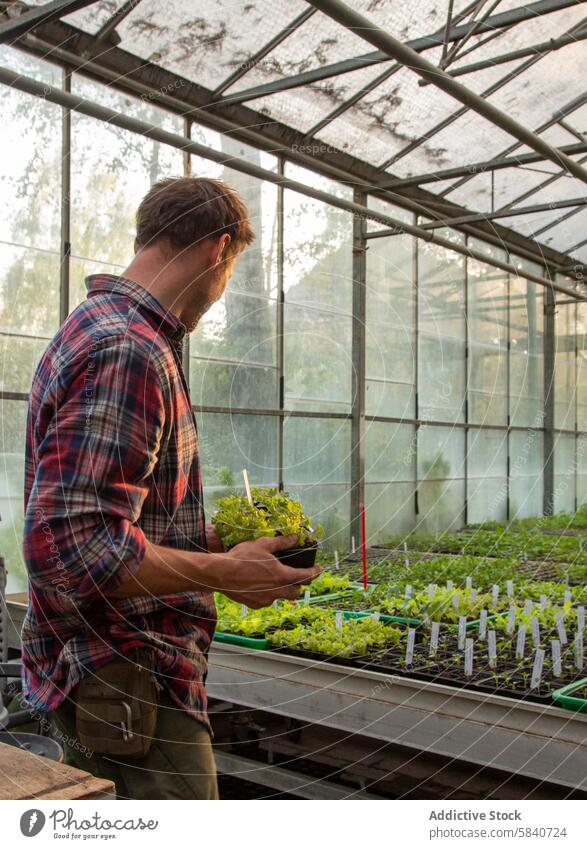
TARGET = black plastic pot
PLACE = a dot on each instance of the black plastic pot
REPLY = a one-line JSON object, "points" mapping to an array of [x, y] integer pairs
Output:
{"points": [[301, 557]]}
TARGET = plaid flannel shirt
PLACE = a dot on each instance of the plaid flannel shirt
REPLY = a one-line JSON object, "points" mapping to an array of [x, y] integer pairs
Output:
{"points": [[111, 460]]}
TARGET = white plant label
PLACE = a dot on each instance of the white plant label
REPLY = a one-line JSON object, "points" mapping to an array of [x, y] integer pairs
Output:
{"points": [[521, 641], [543, 602], [336, 565], [431, 591], [408, 592], [535, 631], [492, 648], [307, 597], [434, 634], [469, 658], [556, 658], [462, 631], [579, 654], [473, 595], [581, 619], [482, 624], [469, 582], [562, 631], [353, 546], [537, 669], [410, 646], [568, 596], [509, 587], [244, 610], [376, 616], [527, 607], [456, 601], [338, 620], [450, 585], [495, 593], [511, 621]]}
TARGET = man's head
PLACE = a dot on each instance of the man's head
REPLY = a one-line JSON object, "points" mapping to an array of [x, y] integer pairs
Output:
{"points": [[195, 228]]}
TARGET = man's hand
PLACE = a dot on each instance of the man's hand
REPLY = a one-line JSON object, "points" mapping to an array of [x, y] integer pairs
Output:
{"points": [[214, 542], [248, 573], [252, 575]]}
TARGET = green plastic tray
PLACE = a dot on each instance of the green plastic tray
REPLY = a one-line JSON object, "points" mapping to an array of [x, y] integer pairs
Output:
{"points": [[320, 599], [240, 640], [565, 698]]}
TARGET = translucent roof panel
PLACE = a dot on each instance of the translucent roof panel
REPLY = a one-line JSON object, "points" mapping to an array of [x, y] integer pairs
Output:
{"points": [[399, 125], [204, 40]]}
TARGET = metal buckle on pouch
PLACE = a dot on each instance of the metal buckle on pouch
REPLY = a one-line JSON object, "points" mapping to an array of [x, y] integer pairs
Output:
{"points": [[127, 732]]}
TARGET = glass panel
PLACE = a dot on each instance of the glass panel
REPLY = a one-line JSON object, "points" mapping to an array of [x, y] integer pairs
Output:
{"points": [[387, 209], [564, 472], [317, 181], [389, 509], [12, 439], [488, 338], [441, 351], [487, 485], [318, 366], [232, 385], [441, 490], [390, 345], [142, 108], [582, 366], [318, 257], [112, 170], [526, 473], [230, 443], [238, 327], [30, 168], [27, 278], [526, 351], [564, 368], [390, 452], [581, 469], [329, 506], [316, 451], [390, 465]]}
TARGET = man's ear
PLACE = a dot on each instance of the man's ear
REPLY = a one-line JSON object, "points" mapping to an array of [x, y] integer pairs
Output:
{"points": [[223, 243]]}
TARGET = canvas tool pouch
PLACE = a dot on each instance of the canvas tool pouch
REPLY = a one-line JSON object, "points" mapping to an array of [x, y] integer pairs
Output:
{"points": [[116, 707]]}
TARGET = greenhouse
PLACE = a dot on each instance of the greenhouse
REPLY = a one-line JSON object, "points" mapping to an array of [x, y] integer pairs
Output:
{"points": [[394, 375]]}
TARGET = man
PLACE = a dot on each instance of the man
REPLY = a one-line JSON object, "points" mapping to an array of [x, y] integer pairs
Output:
{"points": [[117, 552]]}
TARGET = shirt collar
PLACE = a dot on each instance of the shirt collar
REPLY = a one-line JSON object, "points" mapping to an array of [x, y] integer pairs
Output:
{"points": [[168, 321]]}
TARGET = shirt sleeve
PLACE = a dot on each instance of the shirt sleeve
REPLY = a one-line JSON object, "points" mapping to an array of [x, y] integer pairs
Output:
{"points": [[96, 454]]}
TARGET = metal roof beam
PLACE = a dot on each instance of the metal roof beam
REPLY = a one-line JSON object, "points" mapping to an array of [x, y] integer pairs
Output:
{"points": [[395, 49], [535, 49], [508, 213], [13, 28], [480, 167], [436, 39]]}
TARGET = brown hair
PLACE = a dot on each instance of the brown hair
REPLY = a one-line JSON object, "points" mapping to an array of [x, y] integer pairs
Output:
{"points": [[188, 210]]}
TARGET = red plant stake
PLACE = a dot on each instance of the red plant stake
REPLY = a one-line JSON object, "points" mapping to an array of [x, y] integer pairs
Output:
{"points": [[364, 544]]}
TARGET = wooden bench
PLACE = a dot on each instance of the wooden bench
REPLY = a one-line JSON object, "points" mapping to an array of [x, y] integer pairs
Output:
{"points": [[24, 775]]}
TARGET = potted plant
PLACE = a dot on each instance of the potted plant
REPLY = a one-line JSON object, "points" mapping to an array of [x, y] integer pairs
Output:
{"points": [[272, 513]]}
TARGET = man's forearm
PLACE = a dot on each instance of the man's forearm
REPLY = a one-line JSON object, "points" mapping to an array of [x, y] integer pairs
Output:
{"points": [[169, 570]]}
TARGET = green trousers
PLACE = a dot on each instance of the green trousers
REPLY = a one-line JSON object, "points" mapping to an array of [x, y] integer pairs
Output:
{"points": [[180, 763]]}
